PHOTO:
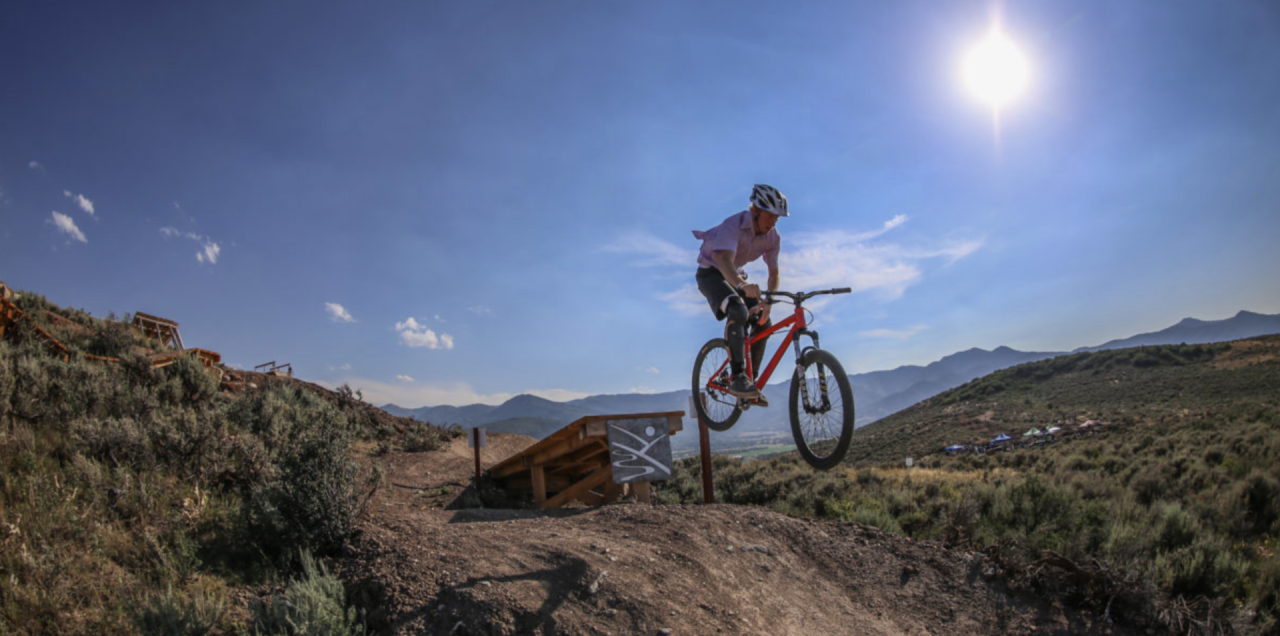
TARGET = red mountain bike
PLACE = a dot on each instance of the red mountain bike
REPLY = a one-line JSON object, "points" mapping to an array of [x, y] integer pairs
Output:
{"points": [[821, 401]]}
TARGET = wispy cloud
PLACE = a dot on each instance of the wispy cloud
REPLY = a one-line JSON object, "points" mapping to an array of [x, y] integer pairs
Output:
{"points": [[67, 226], [817, 260], [405, 378], [338, 313], [346, 366], [480, 310], [416, 335], [35, 165], [650, 250], [84, 203], [894, 334], [653, 370], [209, 250], [209, 253], [863, 261]]}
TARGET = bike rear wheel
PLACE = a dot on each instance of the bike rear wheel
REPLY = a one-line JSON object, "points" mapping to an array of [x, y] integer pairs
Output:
{"points": [[821, 409], [713, 403]]}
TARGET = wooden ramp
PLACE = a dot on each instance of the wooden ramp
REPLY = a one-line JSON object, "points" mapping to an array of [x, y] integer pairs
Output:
{"points": [[10, 315], [572, 464]]}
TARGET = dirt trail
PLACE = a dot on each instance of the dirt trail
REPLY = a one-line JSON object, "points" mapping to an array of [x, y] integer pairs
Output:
{"points": [[629, 568]]}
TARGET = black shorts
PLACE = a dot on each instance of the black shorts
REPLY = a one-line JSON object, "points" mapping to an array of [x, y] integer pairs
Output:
{"points": [[715, 288]]}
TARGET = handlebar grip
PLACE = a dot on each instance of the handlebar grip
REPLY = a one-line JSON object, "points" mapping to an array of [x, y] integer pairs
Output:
{"points": [[841, 290]]}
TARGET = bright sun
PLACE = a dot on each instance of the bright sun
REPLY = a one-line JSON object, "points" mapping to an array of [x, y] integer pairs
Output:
{"points": [[995, 70]]}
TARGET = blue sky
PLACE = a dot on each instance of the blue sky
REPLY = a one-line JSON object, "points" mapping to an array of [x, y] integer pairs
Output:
{"points": [[454, 202]]}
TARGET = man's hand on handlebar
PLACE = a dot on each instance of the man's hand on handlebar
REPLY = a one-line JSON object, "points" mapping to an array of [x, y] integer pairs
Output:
{"points": [[750, 290]]}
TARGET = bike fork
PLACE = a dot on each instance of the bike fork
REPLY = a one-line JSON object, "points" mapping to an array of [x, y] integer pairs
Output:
{"points": [[822, 375]]}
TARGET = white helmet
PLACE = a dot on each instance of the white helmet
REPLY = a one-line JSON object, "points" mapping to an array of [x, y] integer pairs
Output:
{"points": [[767, 198]]}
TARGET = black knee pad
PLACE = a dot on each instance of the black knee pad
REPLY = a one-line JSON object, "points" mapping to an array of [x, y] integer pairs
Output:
{"points": [[736, 310]]}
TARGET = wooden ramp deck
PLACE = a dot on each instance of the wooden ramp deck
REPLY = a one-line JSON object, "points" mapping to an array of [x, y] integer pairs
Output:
{"points": [[573, 463]]}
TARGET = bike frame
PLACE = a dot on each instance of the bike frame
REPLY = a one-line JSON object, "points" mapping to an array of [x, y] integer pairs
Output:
{"points": [[795, 324]]}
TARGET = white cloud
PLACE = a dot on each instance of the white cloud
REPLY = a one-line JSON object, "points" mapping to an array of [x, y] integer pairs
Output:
{"points": [[862, 261], [480, 310], [209, 254], [686, 301], [209, 250], [653, 251], [653, 370], [338, 313], [85, 204], [894, 334], [416, 335], [67, 226], [405, 378], [346, 366], [35, 165]]}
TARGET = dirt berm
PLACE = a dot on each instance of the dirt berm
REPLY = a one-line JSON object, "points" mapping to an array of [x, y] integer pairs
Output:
{"points": [[629, 568]]}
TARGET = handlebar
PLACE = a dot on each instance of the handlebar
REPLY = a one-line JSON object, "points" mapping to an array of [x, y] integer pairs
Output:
{"points": [[799, 297]]}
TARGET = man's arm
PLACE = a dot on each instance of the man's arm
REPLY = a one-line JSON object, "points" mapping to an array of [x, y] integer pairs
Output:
{"points": [[724, 262]]}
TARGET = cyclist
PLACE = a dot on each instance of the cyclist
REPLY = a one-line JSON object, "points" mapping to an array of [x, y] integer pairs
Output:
{"points": [[726, 248]]}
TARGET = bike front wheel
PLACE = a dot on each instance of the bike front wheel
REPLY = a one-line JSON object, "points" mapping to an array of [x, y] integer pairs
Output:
{"points": [[821, 409], [713, 403]]}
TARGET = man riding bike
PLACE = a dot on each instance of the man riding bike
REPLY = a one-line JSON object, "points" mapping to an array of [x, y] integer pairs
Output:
{"points": [[726, 248]]}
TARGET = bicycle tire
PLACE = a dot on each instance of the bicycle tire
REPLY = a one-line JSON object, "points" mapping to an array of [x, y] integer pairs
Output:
{"points": [[718, 409], [814, 425]]}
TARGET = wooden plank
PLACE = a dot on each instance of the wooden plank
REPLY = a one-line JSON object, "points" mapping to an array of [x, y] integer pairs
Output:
{"points": [[592, 498], [539, 485], [577, 490], [612, 491], [524, 483], [600, 427]]}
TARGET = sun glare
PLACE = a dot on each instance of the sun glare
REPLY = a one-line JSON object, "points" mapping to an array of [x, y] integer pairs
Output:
{"points": [[995, 70]]}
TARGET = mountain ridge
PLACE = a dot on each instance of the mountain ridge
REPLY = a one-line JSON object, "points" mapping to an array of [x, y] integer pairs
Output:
{"points": [[878, 394]]}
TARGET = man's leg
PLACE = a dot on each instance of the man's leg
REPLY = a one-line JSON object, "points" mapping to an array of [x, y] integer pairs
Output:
{"points": [[728, 305]]}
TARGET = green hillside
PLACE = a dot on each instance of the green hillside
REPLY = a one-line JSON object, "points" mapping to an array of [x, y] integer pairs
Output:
{"points": [[1149, 390], [1164, 519], [145, 499]]}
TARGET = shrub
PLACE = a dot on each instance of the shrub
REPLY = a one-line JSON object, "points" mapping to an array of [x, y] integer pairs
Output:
{"points": [[421, 437], [313, 604], [1257, 503], [6, 382], [168, 615], [867, 514], [310, 495]]}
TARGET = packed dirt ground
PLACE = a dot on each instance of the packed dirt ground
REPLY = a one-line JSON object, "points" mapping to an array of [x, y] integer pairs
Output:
{"points": [[429, 566]]}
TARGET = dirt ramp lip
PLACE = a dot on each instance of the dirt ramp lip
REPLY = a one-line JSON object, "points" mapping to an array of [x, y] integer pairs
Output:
{"points": [[635, 569]]}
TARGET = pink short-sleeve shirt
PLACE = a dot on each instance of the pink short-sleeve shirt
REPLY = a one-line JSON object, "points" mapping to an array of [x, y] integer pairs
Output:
{"points": [[737, 233]]}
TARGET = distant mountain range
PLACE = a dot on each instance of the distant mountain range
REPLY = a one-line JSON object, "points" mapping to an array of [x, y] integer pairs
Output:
{"points": [[877, 394]]}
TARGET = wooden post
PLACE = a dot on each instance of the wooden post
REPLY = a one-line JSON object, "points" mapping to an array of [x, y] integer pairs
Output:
{"points": [[704, 440], [475, 441], [539, 484], [642, 492]]}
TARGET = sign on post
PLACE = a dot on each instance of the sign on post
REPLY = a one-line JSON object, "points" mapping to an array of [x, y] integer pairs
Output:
{"points": [[639, 450]]}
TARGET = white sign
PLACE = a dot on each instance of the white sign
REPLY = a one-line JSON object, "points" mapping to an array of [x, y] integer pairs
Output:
{"points": [[478, 438], [910, 462]]}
